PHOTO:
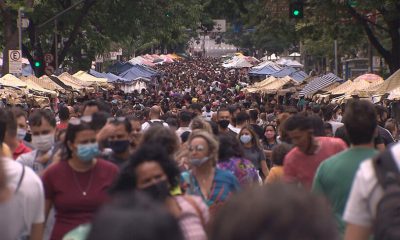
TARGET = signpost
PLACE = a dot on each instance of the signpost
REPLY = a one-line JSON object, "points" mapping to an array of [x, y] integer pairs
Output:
{"points": [[48, 60], [15, 61]]}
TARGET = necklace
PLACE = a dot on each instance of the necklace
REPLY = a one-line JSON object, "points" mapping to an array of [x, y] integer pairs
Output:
{"points": [[84, 192]]}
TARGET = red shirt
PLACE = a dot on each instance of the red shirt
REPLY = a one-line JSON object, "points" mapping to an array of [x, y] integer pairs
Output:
{"points": [[300, 167], [21, 149], [72, 207], [62, 126]]}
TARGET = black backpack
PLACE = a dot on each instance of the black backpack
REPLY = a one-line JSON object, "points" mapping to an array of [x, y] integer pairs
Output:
{"points": [[387, 221], [156, 123]]}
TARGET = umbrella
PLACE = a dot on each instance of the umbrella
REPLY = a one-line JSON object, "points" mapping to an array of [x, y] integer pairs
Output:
{"points": [[369, 77]]}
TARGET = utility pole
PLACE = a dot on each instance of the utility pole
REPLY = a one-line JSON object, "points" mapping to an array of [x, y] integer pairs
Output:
{"points": [[20, 27]]}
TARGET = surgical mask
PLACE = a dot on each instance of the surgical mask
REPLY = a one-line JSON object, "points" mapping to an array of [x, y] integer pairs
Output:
{"points": [[197, 162], [159, 191], [339, 118], [86, 152], [223, 123], [245, 138], [43, 143], [119, 146], [21, 133]]}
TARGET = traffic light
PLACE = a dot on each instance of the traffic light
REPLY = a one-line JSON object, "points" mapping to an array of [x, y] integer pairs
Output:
{"points": [[37, 64], [296, 8]]}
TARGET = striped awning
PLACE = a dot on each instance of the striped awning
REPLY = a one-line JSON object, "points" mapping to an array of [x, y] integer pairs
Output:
{"points": [[319, 83]]}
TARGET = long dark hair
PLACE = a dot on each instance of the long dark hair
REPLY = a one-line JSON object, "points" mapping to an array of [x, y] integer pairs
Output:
{"points": [[127, 180]]}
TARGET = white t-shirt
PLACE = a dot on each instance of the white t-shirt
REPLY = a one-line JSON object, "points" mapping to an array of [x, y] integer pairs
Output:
{"points": [[366, 193], [146, 125], [24, 208]]}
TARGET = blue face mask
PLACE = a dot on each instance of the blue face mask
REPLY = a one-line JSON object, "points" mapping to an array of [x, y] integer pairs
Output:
{"points": [[245, 139], [196, 162], [86, 152]]}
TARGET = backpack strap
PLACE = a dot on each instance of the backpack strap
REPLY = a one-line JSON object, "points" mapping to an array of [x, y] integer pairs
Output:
{"points": [[20, 179], [386, 169]]}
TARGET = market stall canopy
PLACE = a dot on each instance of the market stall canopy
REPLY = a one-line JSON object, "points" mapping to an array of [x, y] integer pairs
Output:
{"points": [[369, 77], [119, 68], [258, 85], [289, 63], [319, 83], [86, 77], [33, 86], [44, 82], [274, 86], [56, 81], [9, 80], [390, 84], [297, 75], [237, 62], [138, 71], [71, 81], [265, 69]]}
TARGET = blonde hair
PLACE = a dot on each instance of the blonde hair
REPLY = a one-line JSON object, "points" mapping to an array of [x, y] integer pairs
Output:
{"points": [[198, 123], [213, 145]]}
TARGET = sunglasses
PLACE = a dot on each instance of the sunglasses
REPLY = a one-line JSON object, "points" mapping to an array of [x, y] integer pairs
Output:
{"points": [[116, 119], [78, 121], [197, 148]]}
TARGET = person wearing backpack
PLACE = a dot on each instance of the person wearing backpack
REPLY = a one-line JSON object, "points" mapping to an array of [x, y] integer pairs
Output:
{"points": [[154, 115], [374, 202], [335, 175]]}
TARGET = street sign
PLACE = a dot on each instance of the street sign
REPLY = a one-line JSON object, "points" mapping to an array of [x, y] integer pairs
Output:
{"points": [[48, 58], [15, 61], [219, 25], [49, 70]]}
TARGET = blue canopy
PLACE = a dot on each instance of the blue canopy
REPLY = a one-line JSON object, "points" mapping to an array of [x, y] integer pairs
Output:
{"points": [[119, 68], [296, 75], [110, 77], [319, 83], [138, 71], [266, 70]]}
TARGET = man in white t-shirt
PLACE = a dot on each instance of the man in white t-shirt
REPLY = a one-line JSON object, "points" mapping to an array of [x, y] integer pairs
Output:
{"points": [[365, 195], [155, 115]]}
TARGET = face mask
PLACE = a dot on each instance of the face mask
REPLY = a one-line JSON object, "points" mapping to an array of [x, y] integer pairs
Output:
{"points": [[119, 146], [28, 137], [245, 138], [21, 133], [339, 118], [43, 143], [86, 152], [196, 162], [158, 191], [223, 123]]}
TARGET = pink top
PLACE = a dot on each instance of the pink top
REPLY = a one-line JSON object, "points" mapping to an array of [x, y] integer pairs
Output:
{"points": [[299, 167], [190, 221], [72, 206]]}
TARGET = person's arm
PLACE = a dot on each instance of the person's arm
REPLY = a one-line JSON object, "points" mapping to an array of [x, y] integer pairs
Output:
{"points": [[264, 168], [48, 206], [356, 232], [36, 231]]}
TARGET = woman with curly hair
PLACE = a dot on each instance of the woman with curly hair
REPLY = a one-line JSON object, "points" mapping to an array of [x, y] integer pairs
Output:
{"points": [[152, 171]]}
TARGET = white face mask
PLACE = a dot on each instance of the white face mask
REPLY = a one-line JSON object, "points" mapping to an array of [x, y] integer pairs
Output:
{"points": [[43, 143], [21, 133]]}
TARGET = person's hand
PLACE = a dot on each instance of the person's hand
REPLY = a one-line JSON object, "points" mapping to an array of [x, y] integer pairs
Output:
{"points": [[106, 132]]}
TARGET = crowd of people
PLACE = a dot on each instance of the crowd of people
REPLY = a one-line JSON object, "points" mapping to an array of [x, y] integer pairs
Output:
{"points": [[195, 157]]}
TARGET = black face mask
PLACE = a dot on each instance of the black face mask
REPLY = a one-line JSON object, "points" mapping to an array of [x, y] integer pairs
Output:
{"points": [[223, 123], [28, 137], [158, 191], [119, 146]]}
